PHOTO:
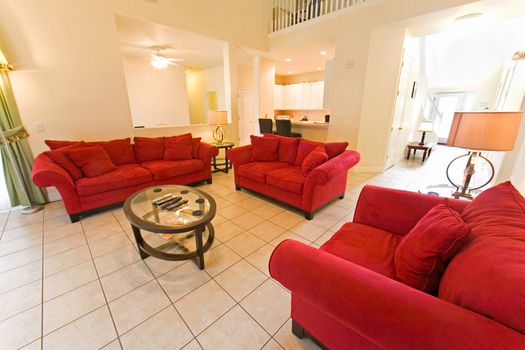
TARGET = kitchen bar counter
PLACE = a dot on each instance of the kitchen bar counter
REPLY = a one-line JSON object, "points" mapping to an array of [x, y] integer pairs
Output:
{"points": [[311, 130], [309, 123]]}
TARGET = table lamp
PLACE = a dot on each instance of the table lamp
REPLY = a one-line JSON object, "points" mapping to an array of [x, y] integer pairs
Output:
{"points": [[218, 118], [11, 136], [425, 127], [481, 131]]}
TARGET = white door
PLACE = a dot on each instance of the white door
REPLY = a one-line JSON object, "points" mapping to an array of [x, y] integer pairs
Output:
{"points": [[246, 118], [396, 145], [447, 104]]}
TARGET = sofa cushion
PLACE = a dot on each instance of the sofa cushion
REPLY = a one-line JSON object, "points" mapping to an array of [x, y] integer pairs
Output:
{"points": [[333, 149], [165, 169], [257, 171], [196, 145], [423, 253], [289, 179], [56, 144], [120, 151], [123, 176], [92, 160], [304, 149], [265, 149], [488, 275], [59, 156], [365, 245], [287, 148], [313, 160], [178, 147], [148, 148]]}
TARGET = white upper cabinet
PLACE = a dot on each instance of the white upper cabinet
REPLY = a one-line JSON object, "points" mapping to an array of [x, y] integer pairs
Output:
{"points": [[299, 96]]}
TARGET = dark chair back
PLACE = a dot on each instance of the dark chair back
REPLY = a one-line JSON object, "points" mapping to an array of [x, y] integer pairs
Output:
{"points": [[284, 127], [266, 126]]}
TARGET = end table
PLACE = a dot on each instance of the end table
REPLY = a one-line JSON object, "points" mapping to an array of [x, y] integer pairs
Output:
{"points": [[415, 146], [226, 164]]}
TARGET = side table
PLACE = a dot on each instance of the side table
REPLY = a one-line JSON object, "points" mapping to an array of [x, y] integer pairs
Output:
{"points": [[415, 146], [225, 165]]}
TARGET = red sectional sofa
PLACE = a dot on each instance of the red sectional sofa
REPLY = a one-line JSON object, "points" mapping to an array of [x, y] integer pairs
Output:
{"points": [[347, 294], [133, 167], [282, 172]]}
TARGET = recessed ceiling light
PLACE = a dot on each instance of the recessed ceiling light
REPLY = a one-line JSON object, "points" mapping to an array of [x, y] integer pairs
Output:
{"points": [[289, 72], [469, 16], [318, 68], [288, 60], [324, 53]]}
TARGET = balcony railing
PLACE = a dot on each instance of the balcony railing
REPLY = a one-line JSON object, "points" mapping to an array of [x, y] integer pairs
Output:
{"points": [[287, 13]]}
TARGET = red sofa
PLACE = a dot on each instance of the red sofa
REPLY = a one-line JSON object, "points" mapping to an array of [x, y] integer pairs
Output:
{"points": [[281, 178], [137, 166], [346, 296]]}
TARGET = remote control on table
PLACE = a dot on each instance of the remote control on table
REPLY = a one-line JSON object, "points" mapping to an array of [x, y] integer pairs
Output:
{"points": [[176, 205], [163, 199], [170, 202]]}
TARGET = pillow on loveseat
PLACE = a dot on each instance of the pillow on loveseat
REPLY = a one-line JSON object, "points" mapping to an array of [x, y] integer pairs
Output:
{"points": [[93, 160], [120, 151], [148, 148], [423, 254], [59, 156], [56, 144], [178, 147], [305, 147], [265, 149], [315, 158], [288, 147]]}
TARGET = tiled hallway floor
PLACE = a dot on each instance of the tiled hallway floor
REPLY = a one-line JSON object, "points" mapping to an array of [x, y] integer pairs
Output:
{"points": [[84, 286]]}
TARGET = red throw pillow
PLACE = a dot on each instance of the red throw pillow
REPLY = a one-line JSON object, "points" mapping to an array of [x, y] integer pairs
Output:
{"points": [[423, 253], [56, 144], [196, 146], [59, 156], [93, 160], [313, 160], [148, 148], [305, 147], [265, 149], [333, 149], [119, 151], [178, 147]]}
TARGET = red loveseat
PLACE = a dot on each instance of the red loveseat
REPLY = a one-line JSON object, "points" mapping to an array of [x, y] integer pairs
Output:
{"points": [[138, 166], [346, 296], [282, 176]]}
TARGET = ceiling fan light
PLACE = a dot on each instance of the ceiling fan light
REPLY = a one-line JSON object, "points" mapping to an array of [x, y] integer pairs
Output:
{"points": [[159, 62]]}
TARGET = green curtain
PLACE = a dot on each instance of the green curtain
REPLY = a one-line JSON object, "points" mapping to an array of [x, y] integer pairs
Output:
{"points": [[10, 118]]}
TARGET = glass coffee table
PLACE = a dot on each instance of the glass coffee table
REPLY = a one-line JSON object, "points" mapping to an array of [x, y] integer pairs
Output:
{"points": [[175, 222]]}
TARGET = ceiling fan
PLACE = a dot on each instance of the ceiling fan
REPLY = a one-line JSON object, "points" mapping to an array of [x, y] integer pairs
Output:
{"points": [[160, 61]]}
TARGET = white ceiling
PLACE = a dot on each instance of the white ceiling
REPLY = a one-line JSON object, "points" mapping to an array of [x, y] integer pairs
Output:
{"points": [[138, 39]]}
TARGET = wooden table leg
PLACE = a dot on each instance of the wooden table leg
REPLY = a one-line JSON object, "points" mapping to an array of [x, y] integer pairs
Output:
{"points": [[200, 252], [139, 240]]}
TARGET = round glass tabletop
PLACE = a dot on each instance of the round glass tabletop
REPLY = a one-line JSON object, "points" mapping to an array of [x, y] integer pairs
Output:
{"points": [[170, 208]]}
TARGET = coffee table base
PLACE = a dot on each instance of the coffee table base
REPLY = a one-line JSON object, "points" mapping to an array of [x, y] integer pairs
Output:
{"points": [[146, 250]]}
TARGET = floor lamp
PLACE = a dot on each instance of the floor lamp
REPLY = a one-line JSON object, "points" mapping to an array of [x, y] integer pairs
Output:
{"points": [[480, 131], [11, 136]]}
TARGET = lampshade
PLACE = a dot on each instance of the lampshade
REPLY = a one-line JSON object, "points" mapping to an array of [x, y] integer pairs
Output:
{"points": [[218, 117], [426, 127], [484, 131]]}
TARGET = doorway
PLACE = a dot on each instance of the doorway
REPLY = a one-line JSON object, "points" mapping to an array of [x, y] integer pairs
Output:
{"points": [[246, 119], [447, 104]]}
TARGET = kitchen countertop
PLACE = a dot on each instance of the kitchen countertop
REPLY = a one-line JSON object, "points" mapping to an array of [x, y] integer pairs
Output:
{"points": [[309, 123]]}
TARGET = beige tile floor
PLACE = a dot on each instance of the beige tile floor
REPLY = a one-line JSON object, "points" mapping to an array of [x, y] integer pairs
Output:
{"points": [[84, 286]]}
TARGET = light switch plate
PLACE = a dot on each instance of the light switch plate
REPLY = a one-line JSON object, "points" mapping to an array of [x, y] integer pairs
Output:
{"points": [[40, 127]]}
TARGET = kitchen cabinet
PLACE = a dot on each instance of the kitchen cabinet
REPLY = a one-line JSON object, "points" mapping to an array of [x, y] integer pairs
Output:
{"points": [[299, 96]]}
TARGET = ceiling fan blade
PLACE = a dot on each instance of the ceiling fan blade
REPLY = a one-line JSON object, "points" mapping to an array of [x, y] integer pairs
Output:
{"points": [[175, 59]]}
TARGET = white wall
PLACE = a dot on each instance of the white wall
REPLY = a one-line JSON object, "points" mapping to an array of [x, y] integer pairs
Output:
{"points": [[156, 97], [199, 83]]}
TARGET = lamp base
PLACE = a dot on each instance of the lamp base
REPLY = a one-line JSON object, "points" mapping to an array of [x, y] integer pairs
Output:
{"points": [[465, 189], [218, 134], [33, 208]]}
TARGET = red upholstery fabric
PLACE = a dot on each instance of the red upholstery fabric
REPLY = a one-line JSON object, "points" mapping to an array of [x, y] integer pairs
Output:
{"points": [[287, 148], [165, 169], [178, 147], [366, 246], [333, 149], [376, 308], [58, 155], [148, 148], [488, 274], [56, 144], [257, 171], [265, 149], [240, 155], [422, 254], [305, 147], [123, 176], [288, 179], [313, 160], [196, 142], [396, 211], [92, 160], [120, 151]]}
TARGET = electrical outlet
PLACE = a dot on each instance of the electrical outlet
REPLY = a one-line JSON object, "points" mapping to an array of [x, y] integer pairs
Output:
{"points": [[40, 127]]}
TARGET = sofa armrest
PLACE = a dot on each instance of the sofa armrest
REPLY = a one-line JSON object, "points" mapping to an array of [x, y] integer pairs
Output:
{"points": [[335, 166], [240, 155], [396, 211], [207, 152], [385, 312], [46, 173]]}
